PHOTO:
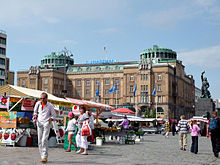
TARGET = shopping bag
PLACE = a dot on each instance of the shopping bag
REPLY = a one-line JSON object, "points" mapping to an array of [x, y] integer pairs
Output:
{"points": [[86, 130]]}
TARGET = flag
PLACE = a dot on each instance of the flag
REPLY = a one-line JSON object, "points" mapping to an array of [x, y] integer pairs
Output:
{"points": [[113, 89], [97, 91], [135, 88], [155, 90]]}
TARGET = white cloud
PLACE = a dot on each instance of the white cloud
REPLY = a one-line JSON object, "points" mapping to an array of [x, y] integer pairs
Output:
{"points": [[31, 12], [106, 31], [205, 10], [206, 57], [67, 42]]}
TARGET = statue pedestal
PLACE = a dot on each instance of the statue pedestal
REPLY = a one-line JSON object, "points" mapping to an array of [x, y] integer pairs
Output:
{"points": [[204, 105]]}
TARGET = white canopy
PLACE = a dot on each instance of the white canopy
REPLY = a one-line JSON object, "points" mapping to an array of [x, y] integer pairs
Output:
{"points": [[15, 91]]}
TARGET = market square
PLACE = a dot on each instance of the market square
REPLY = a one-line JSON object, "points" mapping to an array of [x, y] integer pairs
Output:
{"points": [[109, 82]]}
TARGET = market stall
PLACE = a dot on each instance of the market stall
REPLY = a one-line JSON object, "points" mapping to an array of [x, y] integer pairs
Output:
{"points": [[18, 104]]}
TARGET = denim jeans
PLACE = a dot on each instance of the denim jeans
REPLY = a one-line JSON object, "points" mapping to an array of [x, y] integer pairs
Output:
{"points": [[194, 147]]}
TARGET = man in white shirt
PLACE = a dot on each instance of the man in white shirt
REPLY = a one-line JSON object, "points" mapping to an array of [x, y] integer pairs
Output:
{"points": [[44, 114]]}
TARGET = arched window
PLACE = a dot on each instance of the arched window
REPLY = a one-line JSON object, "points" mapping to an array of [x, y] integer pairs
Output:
{"points": [[153, 55]]}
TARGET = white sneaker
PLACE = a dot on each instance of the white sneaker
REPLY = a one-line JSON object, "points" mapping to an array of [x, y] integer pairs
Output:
{"points": [[84, 153], [78, 152]]}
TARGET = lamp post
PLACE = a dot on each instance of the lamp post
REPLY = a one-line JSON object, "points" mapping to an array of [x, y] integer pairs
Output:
{"points": [[66, 53]]}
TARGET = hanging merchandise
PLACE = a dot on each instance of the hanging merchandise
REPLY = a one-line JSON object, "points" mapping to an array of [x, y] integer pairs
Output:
{"points": [[4, 102]]}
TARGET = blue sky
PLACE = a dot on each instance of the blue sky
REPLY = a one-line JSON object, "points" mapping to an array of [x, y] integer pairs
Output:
{"points": [[125, 27]]}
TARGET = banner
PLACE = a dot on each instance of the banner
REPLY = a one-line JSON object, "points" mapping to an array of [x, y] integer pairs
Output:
{"points": [[4, 103], [8, 119], [28, 105]]}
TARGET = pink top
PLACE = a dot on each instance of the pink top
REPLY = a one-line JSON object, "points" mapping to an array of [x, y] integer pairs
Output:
{"points": [[195, 130]]}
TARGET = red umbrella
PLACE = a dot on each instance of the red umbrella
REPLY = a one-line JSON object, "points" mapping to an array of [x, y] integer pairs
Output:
{"points": [[123, 110]]}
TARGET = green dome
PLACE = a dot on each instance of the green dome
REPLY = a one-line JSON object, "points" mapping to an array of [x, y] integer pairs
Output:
{"points": [[56, 60], [159, 53]]}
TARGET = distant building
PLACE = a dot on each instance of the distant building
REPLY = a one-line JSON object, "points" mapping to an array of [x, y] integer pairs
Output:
{"points": [[175, 91], [198, 94], [6, 76], [217, 106]]}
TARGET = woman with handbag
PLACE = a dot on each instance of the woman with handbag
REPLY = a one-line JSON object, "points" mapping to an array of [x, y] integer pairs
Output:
{"points": [[81, 141]]}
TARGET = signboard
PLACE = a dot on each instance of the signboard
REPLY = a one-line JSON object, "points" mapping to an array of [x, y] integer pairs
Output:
{"points": [[100, 61], [4, 103], [28, 105], [8, 119]]}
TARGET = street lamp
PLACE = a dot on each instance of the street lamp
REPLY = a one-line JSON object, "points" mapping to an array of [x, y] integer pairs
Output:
{"points": [[66, 53]]}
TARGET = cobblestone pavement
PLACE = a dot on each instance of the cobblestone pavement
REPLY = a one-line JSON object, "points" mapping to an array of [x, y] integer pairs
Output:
{"points": [[153, 150]]}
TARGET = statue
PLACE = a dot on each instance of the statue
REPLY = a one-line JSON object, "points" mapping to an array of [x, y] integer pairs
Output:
{"points": [[205, 86]]}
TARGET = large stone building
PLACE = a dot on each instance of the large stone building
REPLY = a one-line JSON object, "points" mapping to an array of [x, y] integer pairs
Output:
{"points": [[6, 76], [157, 66]]}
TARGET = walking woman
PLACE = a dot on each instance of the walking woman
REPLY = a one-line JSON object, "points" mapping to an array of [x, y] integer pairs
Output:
{"points": [[81, 141], [195, 132], [71, 131]]}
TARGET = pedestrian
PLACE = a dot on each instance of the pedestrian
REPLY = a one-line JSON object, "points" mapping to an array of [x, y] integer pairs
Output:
{"points": [[71, 130], [125, 123], [92, 126], [167, 129], [44, 114], [214, 129], [194, 129], [173, 128], [81, 141], [183, 128]]}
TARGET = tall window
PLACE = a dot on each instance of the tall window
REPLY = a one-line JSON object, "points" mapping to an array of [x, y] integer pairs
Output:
{"points": [[45, 81], [78, 82], [106, 92], [144, 76], [87, 82], [2, 51], [117, 81], [70, 83], [159, 77], [159, 87], [131, 99], [117, 101], [2, 41], [107, 81], [2, 72], [23, 82], [87, 92], [106, 101], [32, 81], [159, 99], [78, 92], [131, 88], [97, 82], [131, 78]]}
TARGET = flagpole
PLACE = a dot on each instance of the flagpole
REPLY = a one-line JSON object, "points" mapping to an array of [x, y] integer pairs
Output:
{"points": [[136, 106], [116, 93], [156, 97]]}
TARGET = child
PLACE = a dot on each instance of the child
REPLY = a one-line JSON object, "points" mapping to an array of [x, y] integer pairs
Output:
{"points": [[71, 131], [194, 131]]}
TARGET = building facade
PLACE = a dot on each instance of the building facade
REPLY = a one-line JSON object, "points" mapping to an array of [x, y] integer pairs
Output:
{"points": [[158, 68], [6, 76]]}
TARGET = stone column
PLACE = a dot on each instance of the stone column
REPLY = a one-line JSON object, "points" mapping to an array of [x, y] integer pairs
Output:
{"points": [[92, 89], [83, 88], [101, 86]]}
